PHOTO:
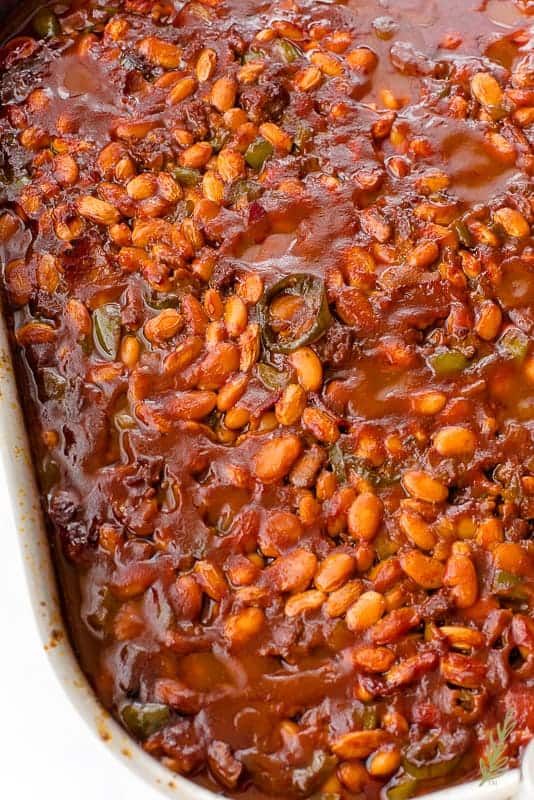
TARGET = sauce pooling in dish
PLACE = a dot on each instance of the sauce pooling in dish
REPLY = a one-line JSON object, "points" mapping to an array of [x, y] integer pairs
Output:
{"points": [[270, 278]]}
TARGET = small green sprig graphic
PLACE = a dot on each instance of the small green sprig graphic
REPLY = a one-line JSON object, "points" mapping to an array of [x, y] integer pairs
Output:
{"points": [[495, 759]]}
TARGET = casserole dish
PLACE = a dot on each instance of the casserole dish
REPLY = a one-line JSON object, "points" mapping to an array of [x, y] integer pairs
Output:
{"points": [[20, 470]]}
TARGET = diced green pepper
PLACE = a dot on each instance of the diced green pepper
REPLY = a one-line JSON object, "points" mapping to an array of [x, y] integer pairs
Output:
{"points": [[509, 585], [46, 24], [288, 50], [448, 362], [270, 377], [247, 190], [385, 547], [337, 462], [107, 329], [187, 176], [438, 767], [514, 343], [144, 719], [219, 139], [163, 300], [253, 55], [49, 474], [311, 290], [309, 778], [403, 790], [257, 153], [303, 135], [369, 718], [464, 234]]}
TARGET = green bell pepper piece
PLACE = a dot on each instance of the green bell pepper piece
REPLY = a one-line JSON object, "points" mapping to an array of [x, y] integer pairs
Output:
{"points": [[448, 362], [257, 153], [309, 288], [46, 24], [144, 719], [187, 176], [107, 329]]}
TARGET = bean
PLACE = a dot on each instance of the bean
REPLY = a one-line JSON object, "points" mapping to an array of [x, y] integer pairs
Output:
{"points": [[276, 457], [206, 63], [384, 762], [163, 326], [460, 575], [230, 165], [424, 570], [365, 516], [423, 255], [417, 530], [334, 571], [159, 52], [241, 627], [422, 486], [196, 156], [289, 408], [353, 775], [367, 610], [304, 601], [191, 405], [235, 316], [513, 222], [129, 351], [362, 58], [359, 744], [394, 625], [341, 599], [411, 669], [187, 598], [293, 572], [489, 320], [455, 441], [218, 365], [210, 579], [279, 139], [373, 659], [308, 368], [320, 424], [486, 89], [232, 391], [308, 79], [223, 93], [512, 557], [281, 531], [181, 90], [96, 210], [327, 64], [462, 637], [237, 418]]}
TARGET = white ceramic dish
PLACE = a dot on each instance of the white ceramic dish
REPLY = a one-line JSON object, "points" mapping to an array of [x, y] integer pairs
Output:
{"points": [[41, 584]]}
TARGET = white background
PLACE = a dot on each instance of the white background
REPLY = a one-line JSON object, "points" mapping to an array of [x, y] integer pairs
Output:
{"points": [[46, 750]]}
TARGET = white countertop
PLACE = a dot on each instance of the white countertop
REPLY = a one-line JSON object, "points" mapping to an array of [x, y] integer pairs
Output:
{"points": [[47, 751]]}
